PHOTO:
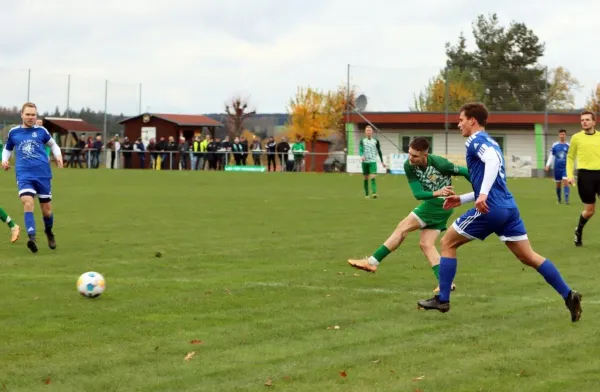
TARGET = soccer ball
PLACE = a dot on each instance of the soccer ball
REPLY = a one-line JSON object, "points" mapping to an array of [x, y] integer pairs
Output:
{"points": [[91, 284]]}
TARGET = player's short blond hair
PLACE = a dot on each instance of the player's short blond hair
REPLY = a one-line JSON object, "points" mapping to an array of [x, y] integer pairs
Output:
{"points": [[28, 105], [592, 114]]}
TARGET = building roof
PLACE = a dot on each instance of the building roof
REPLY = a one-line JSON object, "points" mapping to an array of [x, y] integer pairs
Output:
{"points": [[72, 124], [440, 117], [183, 120]]}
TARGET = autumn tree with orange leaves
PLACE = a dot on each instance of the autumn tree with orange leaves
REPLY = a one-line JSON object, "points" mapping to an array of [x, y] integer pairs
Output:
{"points": [[462, 87], [316, 114], [593, 101]]}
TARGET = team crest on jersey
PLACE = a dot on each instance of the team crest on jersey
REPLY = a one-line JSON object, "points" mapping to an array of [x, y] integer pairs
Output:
{"points": [[28, 148], [34, 134], [432, 177]]}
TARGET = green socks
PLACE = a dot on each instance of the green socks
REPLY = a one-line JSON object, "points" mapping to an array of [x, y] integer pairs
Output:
{"points": [[436, 271], [366, 185], [6, 219], [381, 253], [373, 185]]}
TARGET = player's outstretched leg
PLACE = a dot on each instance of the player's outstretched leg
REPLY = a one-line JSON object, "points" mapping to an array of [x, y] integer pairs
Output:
{"points": [[523, 251], [46, 206], [450, 242], [369, 264], [15, 230], [27, 200]]}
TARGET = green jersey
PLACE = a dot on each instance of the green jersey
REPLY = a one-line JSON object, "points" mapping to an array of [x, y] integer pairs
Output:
{"points": [[423, 181], [298, 149], [369, 149]]}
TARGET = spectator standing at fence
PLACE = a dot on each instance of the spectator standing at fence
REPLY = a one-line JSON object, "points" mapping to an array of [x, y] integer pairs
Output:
{"points": [[77, 152], [171, 151], [256, 151], [127, 153], [152, 148], [298, 149], [96, 149], [196, 152], [161, 147], [212, 154], [270, 147], [184, 150], [237, 151], [283, 148], [204, 152], [140, 149], [245, 148], [226, 148]]}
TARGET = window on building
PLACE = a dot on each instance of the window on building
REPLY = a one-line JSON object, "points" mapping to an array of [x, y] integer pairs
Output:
{"points": [[405, 142]]}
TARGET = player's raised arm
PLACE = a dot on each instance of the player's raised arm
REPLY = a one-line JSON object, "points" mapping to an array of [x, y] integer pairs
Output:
{"points": [[447, 167], [571, 157]]}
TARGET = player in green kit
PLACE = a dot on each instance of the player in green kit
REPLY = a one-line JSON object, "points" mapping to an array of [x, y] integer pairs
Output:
{"points": [[430, 179], [369, 148], [15, 230]]}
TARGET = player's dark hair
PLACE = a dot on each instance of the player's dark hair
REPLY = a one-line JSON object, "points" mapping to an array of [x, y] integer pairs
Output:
{"points": [[590, 113], [419, 144], [476, 110], [28, 105], [562, 131]]}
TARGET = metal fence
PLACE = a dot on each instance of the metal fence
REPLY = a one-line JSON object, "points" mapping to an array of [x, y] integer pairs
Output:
{"points": [[253, 161]]}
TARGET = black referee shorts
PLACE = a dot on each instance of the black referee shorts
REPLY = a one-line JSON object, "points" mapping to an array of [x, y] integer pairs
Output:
{"points": [[588, 185]]}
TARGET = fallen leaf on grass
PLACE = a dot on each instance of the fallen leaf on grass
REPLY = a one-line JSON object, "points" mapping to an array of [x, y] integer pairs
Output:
{"points": [[376, 361], [189, 356], [208, 292], [418, 390], [333, 327], [287, 378], [228, 291], [269, 382], [328, 295], [343, 373], [156, 348], [418, 378], [47, 380], [196, 341], [357, 274], [521, 373], [393, 371], [341, 273]]}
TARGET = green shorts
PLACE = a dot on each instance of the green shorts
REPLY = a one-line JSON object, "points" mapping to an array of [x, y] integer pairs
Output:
{"points": [[432, 217], [369, 168]]}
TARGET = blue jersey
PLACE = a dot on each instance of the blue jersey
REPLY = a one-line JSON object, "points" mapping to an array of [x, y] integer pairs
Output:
{"points": [[31, 159], [499, 195], [559, 152]]}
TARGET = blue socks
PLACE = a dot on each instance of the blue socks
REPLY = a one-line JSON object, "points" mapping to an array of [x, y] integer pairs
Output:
{"points": [[552, 276], [567, 191], [447, 274], [49, 222], [30, 223]]}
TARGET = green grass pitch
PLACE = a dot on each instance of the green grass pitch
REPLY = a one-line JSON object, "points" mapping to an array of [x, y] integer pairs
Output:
{"points": [[254, 266]]}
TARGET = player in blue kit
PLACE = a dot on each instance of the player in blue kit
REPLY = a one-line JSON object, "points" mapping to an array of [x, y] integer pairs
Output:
{"points": [[558, 156], [495, 212], [33, 172]]}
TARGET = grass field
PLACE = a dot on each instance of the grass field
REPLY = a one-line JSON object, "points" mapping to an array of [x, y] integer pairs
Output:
{"points": [[254, 267]]}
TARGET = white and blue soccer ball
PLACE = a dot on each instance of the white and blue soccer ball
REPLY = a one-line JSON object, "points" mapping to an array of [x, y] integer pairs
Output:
{"points": [[91, 284]]}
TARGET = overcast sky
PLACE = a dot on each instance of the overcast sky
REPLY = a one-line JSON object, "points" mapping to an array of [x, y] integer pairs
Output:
{"points": [[192, 55]]}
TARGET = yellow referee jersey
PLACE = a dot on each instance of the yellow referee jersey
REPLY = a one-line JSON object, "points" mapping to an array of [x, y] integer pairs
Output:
{"points": [[586, 150]]}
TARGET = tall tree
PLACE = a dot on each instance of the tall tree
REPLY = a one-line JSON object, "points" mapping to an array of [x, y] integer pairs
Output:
{"points": [[313, 115], [236, 111], [560, 89], [453, 87], [593, 101], [503, 71]]}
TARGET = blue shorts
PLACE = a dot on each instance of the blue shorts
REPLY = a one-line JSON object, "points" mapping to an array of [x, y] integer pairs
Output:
{"points": [[506, 223], [560, 174], [41, 187]]}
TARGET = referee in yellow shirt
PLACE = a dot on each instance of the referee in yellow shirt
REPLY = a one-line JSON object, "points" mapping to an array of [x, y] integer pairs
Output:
{"points": [[585, 149]]}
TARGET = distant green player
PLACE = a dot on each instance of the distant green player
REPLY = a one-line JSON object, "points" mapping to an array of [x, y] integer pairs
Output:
{"points": [[430, 179], [368, 149], [15, 230]]}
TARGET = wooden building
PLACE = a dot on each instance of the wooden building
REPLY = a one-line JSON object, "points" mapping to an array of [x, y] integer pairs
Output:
{"points": [[156, 126], [66, 131]]}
